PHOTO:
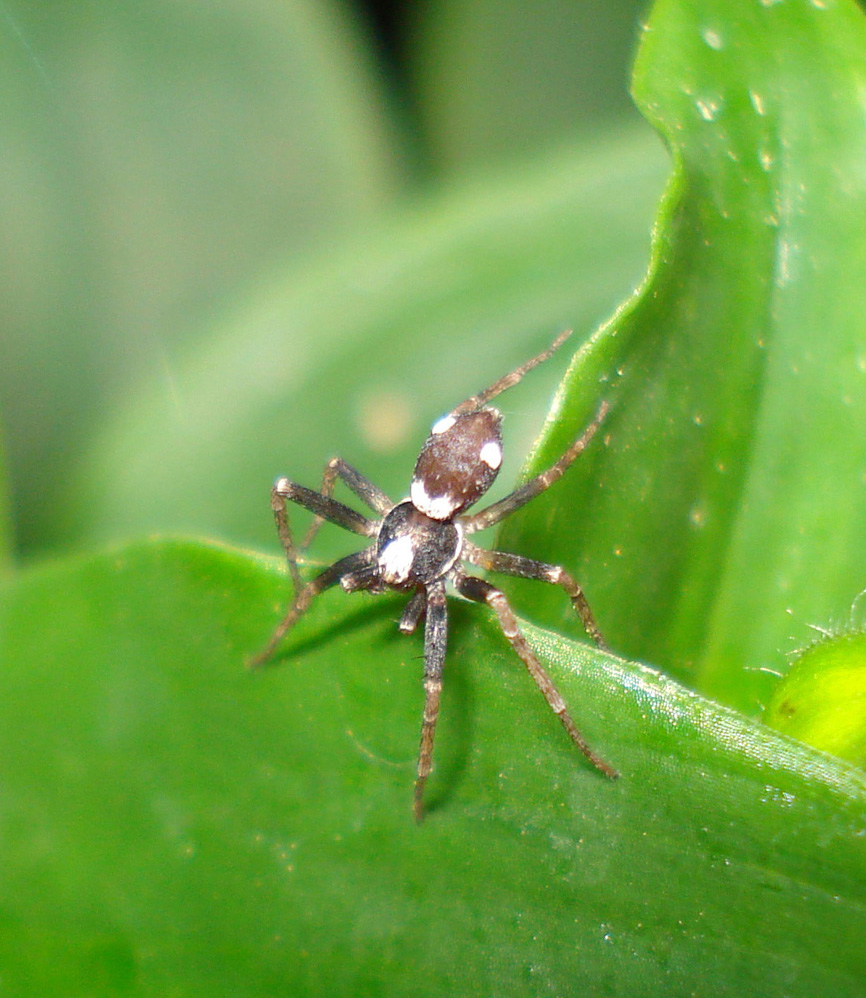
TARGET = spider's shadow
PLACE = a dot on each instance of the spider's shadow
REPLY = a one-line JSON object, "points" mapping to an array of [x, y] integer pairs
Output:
{"points": [[379, 610], [455, 738]]}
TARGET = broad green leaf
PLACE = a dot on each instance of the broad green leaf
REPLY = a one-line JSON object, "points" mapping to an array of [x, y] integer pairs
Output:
{"points": [[724, 513], [359, 351], [155, 157], [172, 824]]}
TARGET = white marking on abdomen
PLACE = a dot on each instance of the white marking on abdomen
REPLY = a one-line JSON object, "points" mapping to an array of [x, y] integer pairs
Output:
{"points": [[491, 454], [436, 507], [445, 423]]}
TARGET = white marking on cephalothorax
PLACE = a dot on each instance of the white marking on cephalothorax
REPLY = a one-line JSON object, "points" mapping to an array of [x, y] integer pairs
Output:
{"points": [[396, 559], [445, 423], [491, 454], [436, 507]]}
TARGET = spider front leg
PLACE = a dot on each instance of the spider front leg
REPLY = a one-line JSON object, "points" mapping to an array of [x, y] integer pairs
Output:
{"points": [[324, 507], [355, 571], [371, 495], [413, 611], [512, 378], [528, 568], [482, 592], [435, 641]]}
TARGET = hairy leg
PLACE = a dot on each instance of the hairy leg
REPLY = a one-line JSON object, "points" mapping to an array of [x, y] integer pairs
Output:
{"points": [[535, 486], [435, 640], [352, 572], [482, 592], [371, 495], [528, 568]]}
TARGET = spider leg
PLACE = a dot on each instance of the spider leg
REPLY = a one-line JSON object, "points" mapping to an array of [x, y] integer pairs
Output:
{"points": [[435, 640], [352, 572], [371, 495], [535, 486], [413, 611], [323, 506], [528, 568], [367, 578], [482, 592], [511, 379]]}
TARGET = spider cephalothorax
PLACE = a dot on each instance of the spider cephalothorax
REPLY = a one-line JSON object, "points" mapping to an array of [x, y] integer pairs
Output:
{"points": [[420, 544]]}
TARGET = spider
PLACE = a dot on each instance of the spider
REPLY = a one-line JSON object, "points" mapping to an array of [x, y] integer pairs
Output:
{"points": [[421, 543]]}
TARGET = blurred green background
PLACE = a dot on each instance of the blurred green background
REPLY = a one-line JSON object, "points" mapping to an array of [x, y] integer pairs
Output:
{"points": [[170, 175], [240, 237]]}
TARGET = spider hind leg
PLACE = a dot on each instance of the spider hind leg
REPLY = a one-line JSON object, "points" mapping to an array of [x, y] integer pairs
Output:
{"points": [[528, 568], [483, 592]]}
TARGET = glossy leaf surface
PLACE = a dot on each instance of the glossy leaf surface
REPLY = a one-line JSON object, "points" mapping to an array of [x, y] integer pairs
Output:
{"points": [[727, 512], [173, 823]]}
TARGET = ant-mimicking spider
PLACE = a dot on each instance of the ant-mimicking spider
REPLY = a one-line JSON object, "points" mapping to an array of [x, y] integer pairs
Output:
{"points": [[420, 543]]}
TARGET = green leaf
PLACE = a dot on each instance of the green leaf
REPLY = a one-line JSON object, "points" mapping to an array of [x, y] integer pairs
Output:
{"points": [[724, 513], [358, 351], [156, 157], [172, 823]]}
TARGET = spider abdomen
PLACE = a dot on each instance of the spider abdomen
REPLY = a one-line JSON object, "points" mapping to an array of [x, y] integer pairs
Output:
{"points": [[458, 463], [414, 549]]}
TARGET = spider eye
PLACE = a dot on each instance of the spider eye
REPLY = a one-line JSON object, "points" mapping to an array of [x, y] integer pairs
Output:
{"points": [[458, 463]]}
